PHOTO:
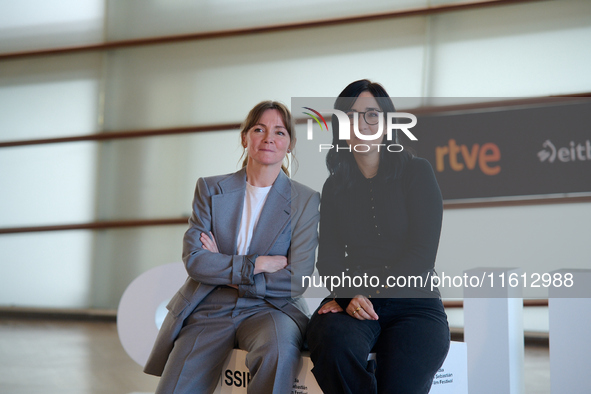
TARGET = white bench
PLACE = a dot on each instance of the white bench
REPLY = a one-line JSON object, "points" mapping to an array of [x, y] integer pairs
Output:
{"points": [[142, 310], [451, 378]]}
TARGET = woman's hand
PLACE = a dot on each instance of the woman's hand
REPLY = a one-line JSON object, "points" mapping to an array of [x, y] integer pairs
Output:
{"points": [[269, 264], [330, 307], [209, 243], [361, 308]]}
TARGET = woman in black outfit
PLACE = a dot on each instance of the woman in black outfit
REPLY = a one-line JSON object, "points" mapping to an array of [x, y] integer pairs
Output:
{"points": [[380, 216]]}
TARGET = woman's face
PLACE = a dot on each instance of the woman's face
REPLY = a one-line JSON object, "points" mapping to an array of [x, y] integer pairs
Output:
{"points": [[365, 102], [268, 141]]}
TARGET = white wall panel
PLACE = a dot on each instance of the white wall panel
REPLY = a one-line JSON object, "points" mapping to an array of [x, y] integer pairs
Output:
{"points": [[37, 24], [47, 184], [155, 177], [220, 80], [121, 255], [48, 270], [525, 50], [536, 238], [141, 18], [49, 97]]}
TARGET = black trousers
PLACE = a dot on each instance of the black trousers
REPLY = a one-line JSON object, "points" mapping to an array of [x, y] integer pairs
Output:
{"points": [[410, 338]]}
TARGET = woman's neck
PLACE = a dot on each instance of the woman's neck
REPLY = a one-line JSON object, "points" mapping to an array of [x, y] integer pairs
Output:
{"points": [[368, 164], [261, 176]]}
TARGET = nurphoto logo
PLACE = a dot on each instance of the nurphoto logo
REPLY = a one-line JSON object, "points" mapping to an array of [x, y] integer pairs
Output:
{"points": [[372, 117]]}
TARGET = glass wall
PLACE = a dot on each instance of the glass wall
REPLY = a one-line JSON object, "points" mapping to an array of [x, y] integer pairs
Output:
{"points": [[532, 49]]}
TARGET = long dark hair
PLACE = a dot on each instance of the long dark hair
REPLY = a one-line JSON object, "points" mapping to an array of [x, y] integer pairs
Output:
{"points": [[340, 162]]}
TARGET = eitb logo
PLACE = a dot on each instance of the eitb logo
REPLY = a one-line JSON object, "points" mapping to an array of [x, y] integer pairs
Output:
{"points": [[373, 117]]}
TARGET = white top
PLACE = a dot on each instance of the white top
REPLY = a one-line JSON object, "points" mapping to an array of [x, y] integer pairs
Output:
{"points": [[254, 200]]}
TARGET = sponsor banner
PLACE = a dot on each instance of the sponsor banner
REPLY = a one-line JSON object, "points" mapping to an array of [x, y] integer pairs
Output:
{"points": [[512, 152], [509, 152]]}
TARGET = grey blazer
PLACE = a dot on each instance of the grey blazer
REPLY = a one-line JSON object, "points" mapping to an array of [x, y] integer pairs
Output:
{"points": [[288, 226]]}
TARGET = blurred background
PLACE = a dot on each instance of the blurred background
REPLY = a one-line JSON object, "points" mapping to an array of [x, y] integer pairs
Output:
{"points": [[195, 79], [110, 110]]}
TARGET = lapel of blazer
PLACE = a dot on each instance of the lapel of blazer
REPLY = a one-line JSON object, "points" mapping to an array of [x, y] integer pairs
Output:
{"points": [[275, 215], [227, 211]]}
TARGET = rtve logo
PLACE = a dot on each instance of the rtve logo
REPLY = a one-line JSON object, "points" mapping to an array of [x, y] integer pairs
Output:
{"points": [[484, 155]]}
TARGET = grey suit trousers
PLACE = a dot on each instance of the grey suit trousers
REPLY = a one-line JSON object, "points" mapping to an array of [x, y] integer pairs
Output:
{"points": [[221, 322]]}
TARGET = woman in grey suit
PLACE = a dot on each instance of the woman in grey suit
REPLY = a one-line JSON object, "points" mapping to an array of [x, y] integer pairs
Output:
{"points": [[252, 236]]}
